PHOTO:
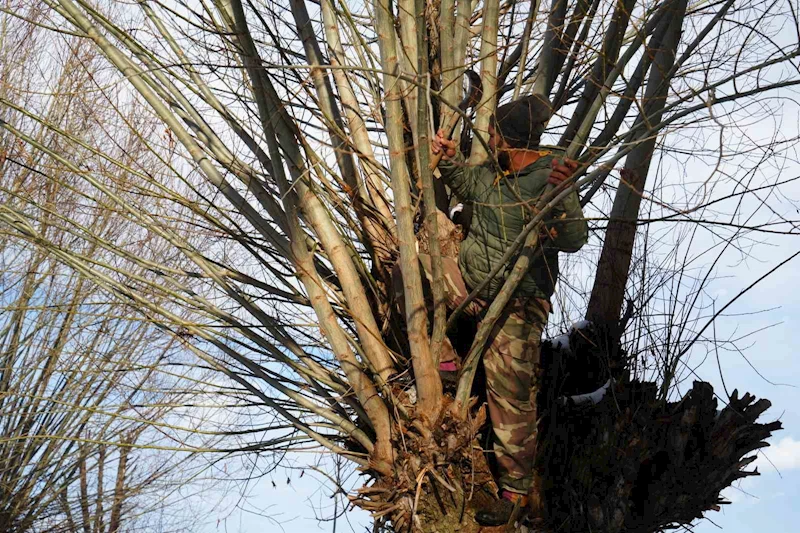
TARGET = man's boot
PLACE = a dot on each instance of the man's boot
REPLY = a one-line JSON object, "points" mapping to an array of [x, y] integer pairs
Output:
{"points": [[499, 512]]}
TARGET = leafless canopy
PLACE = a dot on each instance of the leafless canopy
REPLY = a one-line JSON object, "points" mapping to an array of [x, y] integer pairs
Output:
{"points": [[268, 161]]}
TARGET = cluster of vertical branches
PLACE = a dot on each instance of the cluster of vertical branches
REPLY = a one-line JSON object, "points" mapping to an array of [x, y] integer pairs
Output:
{"points": [[94, 432], [268, 167]]}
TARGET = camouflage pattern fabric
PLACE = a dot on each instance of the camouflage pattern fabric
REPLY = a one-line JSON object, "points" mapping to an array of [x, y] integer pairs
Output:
{"points": [[511, 363], [512, 368]]}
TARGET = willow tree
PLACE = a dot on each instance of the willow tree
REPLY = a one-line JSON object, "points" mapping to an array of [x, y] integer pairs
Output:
{"points": [[298, 137], [91, 391]]}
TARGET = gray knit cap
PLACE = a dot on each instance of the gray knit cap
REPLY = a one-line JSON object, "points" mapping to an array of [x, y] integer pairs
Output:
{"points": [[522, 122]]}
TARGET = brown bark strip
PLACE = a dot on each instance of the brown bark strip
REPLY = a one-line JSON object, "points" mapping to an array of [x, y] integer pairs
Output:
{"points": [[98, 506], [84, 491], [119, 487]]}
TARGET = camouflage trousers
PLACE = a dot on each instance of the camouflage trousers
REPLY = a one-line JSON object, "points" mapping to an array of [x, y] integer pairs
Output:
{"points": [[511, 362]]}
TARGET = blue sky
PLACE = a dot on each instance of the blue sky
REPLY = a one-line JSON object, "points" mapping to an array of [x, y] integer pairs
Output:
{"points": [[766, 502]]}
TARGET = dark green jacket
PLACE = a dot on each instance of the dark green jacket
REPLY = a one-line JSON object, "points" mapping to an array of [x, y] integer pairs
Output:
{"points": [[499, 217]]}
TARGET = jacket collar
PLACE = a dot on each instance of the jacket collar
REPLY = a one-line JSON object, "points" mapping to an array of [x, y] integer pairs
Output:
{"points": [[544, 151]]}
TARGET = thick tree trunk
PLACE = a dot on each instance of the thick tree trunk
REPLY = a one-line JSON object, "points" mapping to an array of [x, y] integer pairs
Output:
{"points": [[636, 463], [119, 486], [440, 478], [629, 462]]}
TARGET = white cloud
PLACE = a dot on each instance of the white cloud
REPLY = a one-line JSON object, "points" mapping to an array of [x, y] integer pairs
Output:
{"points": [[785, 455]]}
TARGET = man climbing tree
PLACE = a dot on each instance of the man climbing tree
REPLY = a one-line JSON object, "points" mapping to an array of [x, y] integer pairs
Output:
{"points": [[295, 153], [504, 200]]}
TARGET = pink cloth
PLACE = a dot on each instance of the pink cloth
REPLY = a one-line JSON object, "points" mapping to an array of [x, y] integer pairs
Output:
{"points": [[513, 496]]}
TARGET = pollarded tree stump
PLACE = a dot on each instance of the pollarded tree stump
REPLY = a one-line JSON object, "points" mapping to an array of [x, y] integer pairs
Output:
{"points": [[630, 463], [635, 463]]}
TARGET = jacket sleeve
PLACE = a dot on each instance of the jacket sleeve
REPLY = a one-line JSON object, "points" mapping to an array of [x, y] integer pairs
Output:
{"points": [[567, 226], [465, 181]]}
